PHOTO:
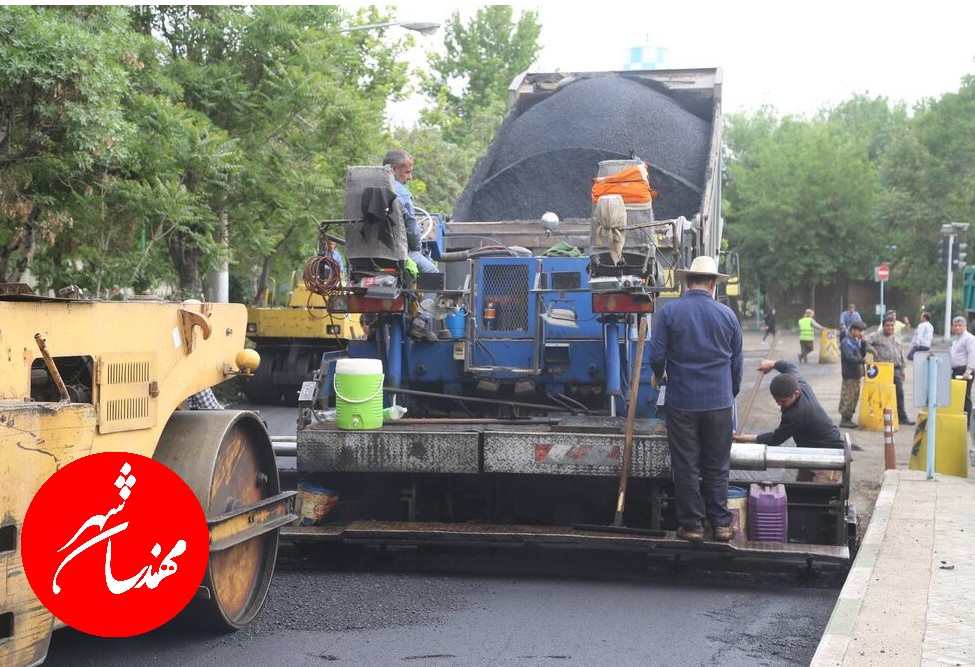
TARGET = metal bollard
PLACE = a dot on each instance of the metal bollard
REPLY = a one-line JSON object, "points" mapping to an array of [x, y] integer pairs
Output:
{"points": [[890, 462]]}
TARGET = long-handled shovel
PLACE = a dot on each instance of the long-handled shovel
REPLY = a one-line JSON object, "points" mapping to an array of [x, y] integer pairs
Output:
{"points": [[617, 525], [756, 387]]}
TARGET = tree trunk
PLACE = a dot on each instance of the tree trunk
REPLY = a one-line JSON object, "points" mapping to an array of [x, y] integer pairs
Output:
{"points": [[186, 258], [15, 258], [262, 283]]}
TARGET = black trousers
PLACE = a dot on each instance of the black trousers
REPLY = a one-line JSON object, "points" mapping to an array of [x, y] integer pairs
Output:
{"points": [[959, 371], [899, 391], [700, 454]]}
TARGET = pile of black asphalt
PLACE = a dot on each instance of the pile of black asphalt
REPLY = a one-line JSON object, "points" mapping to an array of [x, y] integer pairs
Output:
{"points": [[548, 150]]}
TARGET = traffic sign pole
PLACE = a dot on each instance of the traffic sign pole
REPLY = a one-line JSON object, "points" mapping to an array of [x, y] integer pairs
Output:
{"points": [[881, 274]]}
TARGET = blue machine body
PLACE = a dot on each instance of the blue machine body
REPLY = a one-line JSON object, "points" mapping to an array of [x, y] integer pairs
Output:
{"points": [[530, 335]]}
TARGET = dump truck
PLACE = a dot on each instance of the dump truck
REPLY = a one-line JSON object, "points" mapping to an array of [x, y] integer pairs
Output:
{"points": [[80, 377], [531, 419]]}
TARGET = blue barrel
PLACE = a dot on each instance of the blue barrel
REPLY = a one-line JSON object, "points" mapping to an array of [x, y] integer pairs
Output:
{"points": [[457, 323]]}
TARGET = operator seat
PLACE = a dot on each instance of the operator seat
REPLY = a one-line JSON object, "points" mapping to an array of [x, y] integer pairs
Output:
{"points": [[375, 242]]}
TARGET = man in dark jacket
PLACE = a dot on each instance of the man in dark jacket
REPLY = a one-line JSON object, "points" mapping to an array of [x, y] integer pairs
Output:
{"points": [[852, 355], [803, 418]]}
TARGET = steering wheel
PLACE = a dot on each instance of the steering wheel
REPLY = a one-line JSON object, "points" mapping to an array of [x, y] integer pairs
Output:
{"points": [[426, 223]]}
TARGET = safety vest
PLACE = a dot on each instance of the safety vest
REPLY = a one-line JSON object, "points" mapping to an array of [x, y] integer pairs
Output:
{"points": [[806, 329]]}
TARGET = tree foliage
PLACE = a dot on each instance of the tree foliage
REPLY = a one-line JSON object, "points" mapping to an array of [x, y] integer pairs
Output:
{"points": [[479, 62], [802, 204], [300, 102], [135, 138], [929, 174], [467, 90], [62, 73]]}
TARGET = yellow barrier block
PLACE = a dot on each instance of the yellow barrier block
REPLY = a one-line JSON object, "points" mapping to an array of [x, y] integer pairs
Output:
{"points": [[950, 441], [879, 372], [874, 397], [957, 406], [829, 346]]}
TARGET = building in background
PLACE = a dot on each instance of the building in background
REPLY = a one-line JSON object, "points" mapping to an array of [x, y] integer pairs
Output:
{"points": [[644, 57]]}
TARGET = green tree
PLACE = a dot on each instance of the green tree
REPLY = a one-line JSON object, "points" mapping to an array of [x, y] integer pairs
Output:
{"points": [[132, 210], [803, 205], [929, 174], [480, 60], [300, 101], [467, 89], [63, 71]]}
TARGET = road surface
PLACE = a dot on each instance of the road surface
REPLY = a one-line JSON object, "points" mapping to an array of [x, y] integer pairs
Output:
{"points": [[533, 607]]}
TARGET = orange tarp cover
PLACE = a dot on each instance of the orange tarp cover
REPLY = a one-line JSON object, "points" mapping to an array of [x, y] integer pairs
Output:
{"points": [[632, 183]]}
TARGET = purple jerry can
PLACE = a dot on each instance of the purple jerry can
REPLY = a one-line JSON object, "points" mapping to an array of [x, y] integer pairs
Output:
{"points": [[768, 514]]}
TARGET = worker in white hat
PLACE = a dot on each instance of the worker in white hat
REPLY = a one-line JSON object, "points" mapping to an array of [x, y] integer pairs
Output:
{"points": [[696, 349]]}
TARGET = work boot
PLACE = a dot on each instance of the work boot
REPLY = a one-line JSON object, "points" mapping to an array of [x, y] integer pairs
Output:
{"points": [[847, 423], [723, 533], [690, 534]]}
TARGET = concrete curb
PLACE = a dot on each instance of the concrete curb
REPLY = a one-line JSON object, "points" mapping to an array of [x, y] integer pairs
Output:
{"points": [[842, 622]]}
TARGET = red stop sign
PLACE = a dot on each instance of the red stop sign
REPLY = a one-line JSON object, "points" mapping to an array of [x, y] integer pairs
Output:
{"points": [[883, 272]]}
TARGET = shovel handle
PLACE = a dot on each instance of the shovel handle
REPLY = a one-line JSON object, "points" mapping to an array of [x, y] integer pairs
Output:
{"points": [[756, 387], [630, 419]]}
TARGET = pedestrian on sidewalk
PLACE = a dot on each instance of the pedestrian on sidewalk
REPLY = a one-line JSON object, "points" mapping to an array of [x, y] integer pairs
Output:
{"points": [[769, 325], [923, 335], [803, 418], [853, 352], [886, 346], [697, 343], [807, 334], [963, 359]]}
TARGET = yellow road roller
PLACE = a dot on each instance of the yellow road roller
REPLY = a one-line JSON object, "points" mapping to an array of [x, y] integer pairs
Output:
{"points": [[81, 377]]}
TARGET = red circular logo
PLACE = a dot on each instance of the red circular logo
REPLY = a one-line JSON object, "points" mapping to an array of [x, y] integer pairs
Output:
{"points": [[115, 544]]}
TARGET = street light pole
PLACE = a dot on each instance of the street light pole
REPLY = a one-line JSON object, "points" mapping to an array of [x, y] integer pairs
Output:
{"points": [[950, 230]]}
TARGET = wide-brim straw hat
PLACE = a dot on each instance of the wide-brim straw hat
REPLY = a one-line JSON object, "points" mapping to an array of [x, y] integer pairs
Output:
{"points": [[702, 266]]}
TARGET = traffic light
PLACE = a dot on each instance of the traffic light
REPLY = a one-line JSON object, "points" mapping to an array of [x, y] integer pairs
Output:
{"points": [[943, 252], [959, 253]]}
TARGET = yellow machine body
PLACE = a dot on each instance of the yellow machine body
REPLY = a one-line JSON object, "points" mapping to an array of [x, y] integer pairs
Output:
{"points": [[79, 377], [291, 340], [305, 316]]}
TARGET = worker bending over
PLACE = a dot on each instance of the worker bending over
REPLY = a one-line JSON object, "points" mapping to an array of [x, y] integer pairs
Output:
{"points": [[803, 418]]}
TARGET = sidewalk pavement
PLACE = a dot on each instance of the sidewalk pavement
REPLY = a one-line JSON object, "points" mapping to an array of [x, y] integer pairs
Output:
{"points": [[909, 598]]}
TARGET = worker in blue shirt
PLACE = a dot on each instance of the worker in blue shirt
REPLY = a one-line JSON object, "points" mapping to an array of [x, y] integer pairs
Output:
{"points": [[697, 347], [333, 253], [848, 317], [401, 164]]}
